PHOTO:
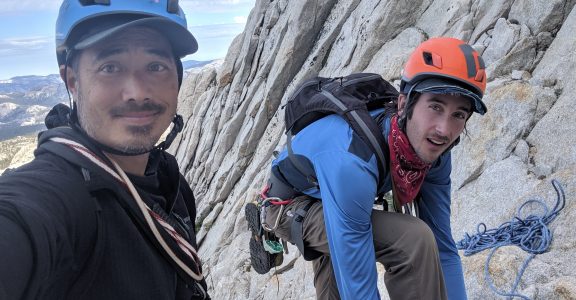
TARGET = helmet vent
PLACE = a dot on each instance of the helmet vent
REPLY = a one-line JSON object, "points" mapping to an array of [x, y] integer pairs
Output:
{"points": [[94, 2], [173, 7], [432, 59], [428, 58], [480, 75]]}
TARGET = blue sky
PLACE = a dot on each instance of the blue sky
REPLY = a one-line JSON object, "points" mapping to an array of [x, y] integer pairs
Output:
{"points": [[27, 32]]}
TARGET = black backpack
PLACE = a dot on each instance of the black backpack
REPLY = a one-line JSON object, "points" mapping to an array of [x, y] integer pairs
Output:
{"points": [[351, 97]]}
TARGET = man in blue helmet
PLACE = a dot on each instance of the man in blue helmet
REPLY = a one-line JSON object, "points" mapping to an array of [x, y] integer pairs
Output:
{"points": [[102, 212]]}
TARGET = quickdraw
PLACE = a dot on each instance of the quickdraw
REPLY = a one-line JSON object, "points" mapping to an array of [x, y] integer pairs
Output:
{"points": [[263, 203]]}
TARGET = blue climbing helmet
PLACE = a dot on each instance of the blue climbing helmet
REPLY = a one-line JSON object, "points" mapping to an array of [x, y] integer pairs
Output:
{"points": [[82, 23]]}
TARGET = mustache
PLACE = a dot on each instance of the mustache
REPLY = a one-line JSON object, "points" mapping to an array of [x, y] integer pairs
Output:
{"points": [[441, 138], [132, 107]]}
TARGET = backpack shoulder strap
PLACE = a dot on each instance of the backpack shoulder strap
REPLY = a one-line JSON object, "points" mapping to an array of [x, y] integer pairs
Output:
{"points": [[362, 122], [310, 177], [352, 97], [370, 133]]}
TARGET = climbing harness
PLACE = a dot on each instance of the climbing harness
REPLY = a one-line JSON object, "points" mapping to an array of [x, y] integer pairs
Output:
{"points": [[531, 234], [296, 230], [267, 201], [266, 251], [272, 246]]}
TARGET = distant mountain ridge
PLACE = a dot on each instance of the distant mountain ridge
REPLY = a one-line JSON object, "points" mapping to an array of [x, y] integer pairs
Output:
{"points": [[25, 101], [191, 64], [30, 90]]}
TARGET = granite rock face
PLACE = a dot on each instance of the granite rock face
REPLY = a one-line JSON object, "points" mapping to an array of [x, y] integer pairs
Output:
{"points": [[234, 123]]}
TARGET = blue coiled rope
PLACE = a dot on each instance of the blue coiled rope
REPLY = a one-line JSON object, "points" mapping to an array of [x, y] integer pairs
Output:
{"points": [[531, 234]]}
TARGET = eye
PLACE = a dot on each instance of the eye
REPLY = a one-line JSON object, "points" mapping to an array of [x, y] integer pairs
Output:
{"points": [[157, 67], [109, 68], [460, 115], [435, 107]]}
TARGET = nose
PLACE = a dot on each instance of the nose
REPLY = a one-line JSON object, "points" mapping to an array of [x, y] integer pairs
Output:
{"points": [[135, 87], [443, 126]]}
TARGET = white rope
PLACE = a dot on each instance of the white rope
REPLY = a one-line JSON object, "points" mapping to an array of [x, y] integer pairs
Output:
{"points": [[121, 176], [88, 154], [145, 211]]}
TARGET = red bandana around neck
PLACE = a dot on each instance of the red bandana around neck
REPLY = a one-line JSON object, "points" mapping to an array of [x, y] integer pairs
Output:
{"points": [[408, 170]]}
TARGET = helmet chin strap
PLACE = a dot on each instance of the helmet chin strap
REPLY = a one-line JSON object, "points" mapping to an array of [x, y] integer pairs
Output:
{"points": [[402, 120], [178, 125]]}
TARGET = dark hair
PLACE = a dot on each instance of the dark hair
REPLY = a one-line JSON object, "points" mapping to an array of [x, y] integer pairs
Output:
{"points": [[408, 109]]}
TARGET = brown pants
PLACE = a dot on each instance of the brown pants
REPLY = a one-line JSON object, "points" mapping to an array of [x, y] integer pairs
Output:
{"points": [[403, 244]]}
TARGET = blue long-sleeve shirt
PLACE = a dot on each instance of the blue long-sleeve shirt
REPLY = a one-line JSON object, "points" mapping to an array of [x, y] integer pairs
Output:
{"points": [[347, 174]]}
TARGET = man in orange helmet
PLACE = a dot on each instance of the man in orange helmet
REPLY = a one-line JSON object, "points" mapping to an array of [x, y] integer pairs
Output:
{"points": [[443, 83]]}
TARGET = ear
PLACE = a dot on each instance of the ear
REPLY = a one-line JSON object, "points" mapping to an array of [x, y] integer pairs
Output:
{"points": [[69, 77], [401, 104]]}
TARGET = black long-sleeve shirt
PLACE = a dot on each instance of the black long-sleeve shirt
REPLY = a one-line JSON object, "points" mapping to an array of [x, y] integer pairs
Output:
{"points": [[68, 230]]}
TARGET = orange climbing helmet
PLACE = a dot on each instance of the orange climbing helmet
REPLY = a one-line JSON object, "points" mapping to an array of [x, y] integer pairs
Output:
{"points": [[446, 66]]}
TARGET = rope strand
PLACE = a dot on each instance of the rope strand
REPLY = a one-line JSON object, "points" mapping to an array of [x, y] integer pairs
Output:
{"points": [[148, 214], [531, 234]]}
